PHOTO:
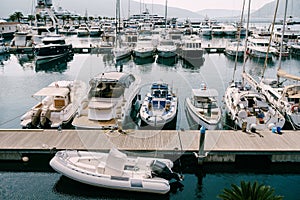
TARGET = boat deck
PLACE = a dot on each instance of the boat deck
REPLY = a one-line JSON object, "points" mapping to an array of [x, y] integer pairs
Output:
{"points": [[84, 122]]}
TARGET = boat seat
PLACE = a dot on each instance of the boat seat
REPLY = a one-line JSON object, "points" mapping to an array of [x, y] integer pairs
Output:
{"points": [[101, 168], [115, 163]]}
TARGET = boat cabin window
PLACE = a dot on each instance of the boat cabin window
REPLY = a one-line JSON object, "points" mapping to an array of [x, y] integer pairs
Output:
{"points": [[205, 103], [107, 90]]}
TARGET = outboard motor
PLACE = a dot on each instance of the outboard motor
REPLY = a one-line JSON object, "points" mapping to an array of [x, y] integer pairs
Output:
{"points": [[161, 170]]}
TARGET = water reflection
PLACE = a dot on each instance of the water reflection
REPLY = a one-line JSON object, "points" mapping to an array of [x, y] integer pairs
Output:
{"points": [[66, 186], [143, 61], [53, 65], [24, 58], [167, 61], [192, 63], [3, 58]]}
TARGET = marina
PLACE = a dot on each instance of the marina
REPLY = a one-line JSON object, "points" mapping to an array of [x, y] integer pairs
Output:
{"points": [[218, 146], [169, 109]]}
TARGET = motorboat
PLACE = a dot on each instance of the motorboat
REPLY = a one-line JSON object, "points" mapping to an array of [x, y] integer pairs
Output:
{"points": [[58, 103], [112, 98], [116, 170], [121, 52], [191, 51], [250, 110], [166, 49], [52, 47], [95, 31], [205, 30], [83, 30], [203, 107], [235, 48], [3, 48], [144, 49], [159, 108], [258, 48]]}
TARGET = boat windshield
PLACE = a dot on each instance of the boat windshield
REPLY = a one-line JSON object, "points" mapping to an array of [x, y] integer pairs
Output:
{"points": [[205, 104], [107, 90]]}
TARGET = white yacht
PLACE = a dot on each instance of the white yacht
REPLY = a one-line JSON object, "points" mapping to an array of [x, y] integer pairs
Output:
{"points": [[235, 48], [83, 30], [258, 48], [203, 107], [144, 49], [159, 108], [95, 31], [112, 97], [116, 170], [285, 98], [191, 51], [250, 110], [166, 49], [57, 105]]}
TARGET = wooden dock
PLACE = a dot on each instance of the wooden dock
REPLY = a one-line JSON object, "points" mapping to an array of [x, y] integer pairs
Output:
{"points": [[219, 146], [99, 49]]}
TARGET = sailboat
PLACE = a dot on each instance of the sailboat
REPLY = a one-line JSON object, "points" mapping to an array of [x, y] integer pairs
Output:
{"points": [[285, 98], [119, 51], [248, 108]]}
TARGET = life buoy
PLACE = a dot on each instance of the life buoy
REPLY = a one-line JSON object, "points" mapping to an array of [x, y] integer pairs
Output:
{"points": [[295, 108]]}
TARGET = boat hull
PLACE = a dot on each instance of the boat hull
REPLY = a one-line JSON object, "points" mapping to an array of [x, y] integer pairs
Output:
{"points": [[210, 124], [96, 175]]}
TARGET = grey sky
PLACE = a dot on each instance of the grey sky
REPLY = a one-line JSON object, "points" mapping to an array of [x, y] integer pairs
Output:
{"points": [[196, 5]]}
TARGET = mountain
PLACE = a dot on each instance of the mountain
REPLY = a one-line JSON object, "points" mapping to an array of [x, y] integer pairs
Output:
{"points": [[267, 11], [104, 8], [219, 13], [107, 8]]}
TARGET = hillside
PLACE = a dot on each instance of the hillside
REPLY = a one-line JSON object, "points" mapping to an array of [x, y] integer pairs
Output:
{"points": [[219, 13], [107, 8], [267, 11]]}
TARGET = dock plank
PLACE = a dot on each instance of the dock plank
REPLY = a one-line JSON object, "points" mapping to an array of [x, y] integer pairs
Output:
{"points": [[149, 140]]}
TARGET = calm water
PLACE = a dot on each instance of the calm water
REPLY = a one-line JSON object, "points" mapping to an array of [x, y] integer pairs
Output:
{"points": [[20, 77]]}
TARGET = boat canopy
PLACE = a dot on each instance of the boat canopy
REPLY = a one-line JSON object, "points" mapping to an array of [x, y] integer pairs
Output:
{"points": [[205, 93], [53, 91], [122, 79], [284, 74]]}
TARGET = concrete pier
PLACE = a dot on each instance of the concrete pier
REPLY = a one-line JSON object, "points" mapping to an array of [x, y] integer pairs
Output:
{"points": [[219, 146]]}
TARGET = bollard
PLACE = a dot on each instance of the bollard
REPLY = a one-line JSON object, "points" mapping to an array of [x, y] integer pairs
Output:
{"points": [[201, 153]]}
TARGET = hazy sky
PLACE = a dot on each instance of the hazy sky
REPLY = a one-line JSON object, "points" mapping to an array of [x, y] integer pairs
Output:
{"points": [[196, 5]]}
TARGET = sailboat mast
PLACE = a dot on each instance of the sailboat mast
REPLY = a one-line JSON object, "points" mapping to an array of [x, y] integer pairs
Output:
{"points": [[129, 9], [239, 39], [246, 41], [282, 34], [272, 30], [166, 13]]}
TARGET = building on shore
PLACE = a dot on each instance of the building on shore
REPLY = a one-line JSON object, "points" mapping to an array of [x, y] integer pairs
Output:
{"points": [[7, 29]]}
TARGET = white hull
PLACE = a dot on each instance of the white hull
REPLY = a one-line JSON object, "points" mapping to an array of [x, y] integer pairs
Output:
{"points": [[143, 53], [111, 170], [279, 97], [210, 123], [108, 107], [246, 106], [51, 109], [159, 110]]}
